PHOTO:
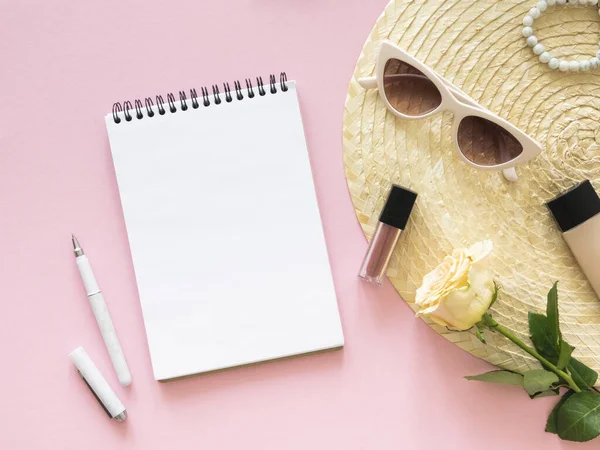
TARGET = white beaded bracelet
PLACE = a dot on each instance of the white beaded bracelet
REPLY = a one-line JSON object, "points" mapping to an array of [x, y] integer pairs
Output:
{"points": [[545, 57]]}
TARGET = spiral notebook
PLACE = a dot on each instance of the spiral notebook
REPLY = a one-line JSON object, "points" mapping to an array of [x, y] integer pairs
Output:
{"points": [[224, 228]]}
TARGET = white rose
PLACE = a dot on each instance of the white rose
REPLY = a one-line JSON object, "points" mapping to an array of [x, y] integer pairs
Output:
{"points": [[459, 291]]}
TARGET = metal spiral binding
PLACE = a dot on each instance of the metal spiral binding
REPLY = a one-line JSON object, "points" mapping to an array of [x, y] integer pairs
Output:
{"points": [[149, 108]]}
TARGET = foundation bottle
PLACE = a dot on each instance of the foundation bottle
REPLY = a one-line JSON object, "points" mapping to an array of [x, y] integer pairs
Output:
{"points": [[577, 213]]}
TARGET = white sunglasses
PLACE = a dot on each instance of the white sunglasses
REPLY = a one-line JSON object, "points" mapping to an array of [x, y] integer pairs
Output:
{"points": [[411, 90]]}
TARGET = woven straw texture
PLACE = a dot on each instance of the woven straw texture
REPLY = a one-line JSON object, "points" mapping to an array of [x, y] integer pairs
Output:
{"points": [[478, 46]]}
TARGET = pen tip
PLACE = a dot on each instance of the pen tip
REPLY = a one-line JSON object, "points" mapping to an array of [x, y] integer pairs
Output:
{"points": [[76, 247]]}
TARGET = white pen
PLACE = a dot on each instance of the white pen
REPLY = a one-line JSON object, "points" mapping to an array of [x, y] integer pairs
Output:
{"points": [[102, 315]]}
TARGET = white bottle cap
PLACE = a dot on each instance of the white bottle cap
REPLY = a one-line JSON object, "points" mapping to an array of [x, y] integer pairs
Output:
{"points": [[98, 385]]}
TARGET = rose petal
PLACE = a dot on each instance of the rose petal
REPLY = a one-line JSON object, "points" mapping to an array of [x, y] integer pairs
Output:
{"points": [[480, 250]]}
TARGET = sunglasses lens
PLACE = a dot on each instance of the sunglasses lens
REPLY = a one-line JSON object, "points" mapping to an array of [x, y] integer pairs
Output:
{"points": [[408, 90], [485, 143]]}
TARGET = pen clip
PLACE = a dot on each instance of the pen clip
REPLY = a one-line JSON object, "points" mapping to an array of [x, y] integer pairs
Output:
{"points": [[95, 395]]}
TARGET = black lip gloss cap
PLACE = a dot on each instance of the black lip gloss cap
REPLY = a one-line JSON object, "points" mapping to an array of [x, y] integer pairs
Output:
{"points": [[398, 206], [575, 206]]}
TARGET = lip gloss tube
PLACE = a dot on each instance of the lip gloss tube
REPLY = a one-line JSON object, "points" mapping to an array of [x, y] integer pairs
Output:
{"points": [[392, 222]]}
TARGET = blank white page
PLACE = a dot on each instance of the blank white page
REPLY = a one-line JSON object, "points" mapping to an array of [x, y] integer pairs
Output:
{"points": [[225, 234]]}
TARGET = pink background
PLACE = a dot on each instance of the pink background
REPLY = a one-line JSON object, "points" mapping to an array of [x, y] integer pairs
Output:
{"points": [[395, 385]]}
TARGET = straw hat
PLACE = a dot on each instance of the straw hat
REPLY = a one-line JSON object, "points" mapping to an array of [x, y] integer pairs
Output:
{"points": [[479, 47]]}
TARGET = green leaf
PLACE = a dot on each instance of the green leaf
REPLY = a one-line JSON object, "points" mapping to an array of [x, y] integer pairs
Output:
{"points": [[538, 380], [583, 376], [495, 296], [548, 393], [552, 315], [539, 332], [479, 331], [564, 354], [500, 377], [578, 418], [551, 426]]}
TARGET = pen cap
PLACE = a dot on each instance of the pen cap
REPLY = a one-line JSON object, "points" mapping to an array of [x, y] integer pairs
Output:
{"points": [[398, 207], [575, 206], [97, 383]]}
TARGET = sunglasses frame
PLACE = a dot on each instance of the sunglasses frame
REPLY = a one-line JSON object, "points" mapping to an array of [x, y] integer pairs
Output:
{"points": [[455, 101]]}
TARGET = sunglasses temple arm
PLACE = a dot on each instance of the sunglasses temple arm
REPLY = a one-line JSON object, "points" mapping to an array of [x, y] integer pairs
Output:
{"points": [[510, 174], [368, 82]]}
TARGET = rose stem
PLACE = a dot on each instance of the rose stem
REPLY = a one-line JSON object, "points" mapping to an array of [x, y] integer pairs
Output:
{"points": [[510, 336]]}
